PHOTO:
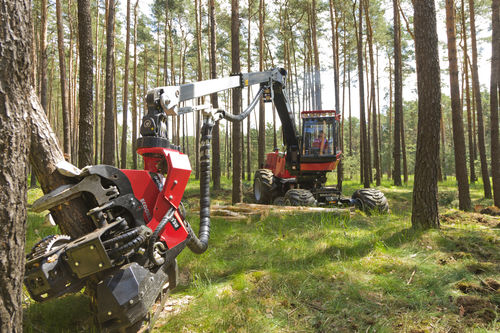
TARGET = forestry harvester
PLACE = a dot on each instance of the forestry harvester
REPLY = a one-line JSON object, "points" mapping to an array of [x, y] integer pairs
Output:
{"points": [[128, 262]]}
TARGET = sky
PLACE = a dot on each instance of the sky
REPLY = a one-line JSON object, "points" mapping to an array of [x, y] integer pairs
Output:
{"points": [[409, 84]]}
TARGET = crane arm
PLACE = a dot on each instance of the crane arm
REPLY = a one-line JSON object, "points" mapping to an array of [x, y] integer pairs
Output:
{"points": [[164, 101]]}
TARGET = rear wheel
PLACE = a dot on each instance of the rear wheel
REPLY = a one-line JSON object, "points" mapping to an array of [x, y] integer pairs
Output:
{"points": [[262, 186], [299, 197], [370, 199]]}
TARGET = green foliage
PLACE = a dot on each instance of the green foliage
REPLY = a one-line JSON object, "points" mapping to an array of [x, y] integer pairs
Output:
{"points": [[322, 272]]}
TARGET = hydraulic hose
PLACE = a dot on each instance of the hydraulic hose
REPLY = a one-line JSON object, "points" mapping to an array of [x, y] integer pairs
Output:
{"points": [[239, 117], [199, 244], [154, 238]]}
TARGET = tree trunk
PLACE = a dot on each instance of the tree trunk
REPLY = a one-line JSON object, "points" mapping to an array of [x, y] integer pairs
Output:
{"points": [[403, 147], [425, 204], [123, 160], [43, 56], [86, 84], [317, 69], [134, 93], [363, 138], [97, 89], [199, 71], [389, 168], [109, 119], [249, 62], [479, 106], [376, 160], [235, 68], [262, 109], [443, 150], [467, 97], [494, 90], [165, 52], [64, 85], [398, 96], [216, 172], [336, 83], [456, 110], [15, 70]]}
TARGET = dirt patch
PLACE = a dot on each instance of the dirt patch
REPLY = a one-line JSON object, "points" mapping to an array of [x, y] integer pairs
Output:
{"points": [[491, 210], [480, 267], [476, 309], [487, 287], [491, 284], [468, 287], [479, 216]]}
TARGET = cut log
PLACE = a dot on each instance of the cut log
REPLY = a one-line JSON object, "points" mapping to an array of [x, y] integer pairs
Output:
{"points": [[246, 210]]}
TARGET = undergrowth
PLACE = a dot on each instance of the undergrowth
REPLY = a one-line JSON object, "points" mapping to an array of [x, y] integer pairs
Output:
{"points": [[323, 272]]}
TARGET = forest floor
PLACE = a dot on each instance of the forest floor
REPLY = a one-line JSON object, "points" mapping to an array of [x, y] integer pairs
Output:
{"points": [[323, 272]]}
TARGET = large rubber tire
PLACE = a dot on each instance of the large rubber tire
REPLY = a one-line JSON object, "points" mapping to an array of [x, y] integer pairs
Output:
{"points": [[371, 200], [299, 197], [262, 186]]}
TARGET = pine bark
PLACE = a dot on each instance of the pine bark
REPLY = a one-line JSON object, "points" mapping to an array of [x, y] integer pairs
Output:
{"points": [[262, 110], [376, 160], [15, 71], [425, 202], [249, 64], [363, 137], [336, 84], [123, 160], [86, 122], [134, 93], [109, 119], [216, 171], [317, 69], [200, 75], [456, 110], [479, 105], [398, 96], [494, 90], [235, 68], [467, 96], [64, 85]]}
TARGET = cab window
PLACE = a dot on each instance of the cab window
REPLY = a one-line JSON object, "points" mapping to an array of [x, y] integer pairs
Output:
{"points": [[318, 136]]}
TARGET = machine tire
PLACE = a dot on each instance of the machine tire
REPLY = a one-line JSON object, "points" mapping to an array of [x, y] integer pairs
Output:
{"points": [[370, 200], [279, 201], [262, 186], [299, 197]]}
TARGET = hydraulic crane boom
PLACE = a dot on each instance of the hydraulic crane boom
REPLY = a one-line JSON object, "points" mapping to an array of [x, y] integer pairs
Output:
{"points": [[164, 101]]}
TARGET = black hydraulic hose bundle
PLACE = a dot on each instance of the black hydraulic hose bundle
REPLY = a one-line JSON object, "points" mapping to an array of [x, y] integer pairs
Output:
{"points": [[199, 244], [134, 238], [154, 237], [239, 117]]}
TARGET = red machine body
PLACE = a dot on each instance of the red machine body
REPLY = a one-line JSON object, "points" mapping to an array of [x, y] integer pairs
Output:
{"points": [[158, 194]]}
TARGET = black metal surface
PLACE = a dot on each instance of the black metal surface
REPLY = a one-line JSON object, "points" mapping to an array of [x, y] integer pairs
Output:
{"points": [[125, 296], [152, 141], [47, 275], [113, 175]]}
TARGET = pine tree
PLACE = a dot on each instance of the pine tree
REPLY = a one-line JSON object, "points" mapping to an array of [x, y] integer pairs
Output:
{"points": [[425, 204], [456, 110]]}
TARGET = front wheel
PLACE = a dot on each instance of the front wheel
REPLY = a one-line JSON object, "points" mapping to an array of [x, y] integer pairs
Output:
{"points": [[370, 199], [299, 197], [262, 186]]}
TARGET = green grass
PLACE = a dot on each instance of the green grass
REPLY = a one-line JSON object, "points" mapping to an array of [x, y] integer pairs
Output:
{"points": [[324, 273]]}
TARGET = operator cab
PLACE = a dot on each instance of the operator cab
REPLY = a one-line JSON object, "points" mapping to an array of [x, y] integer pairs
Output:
{"points": [[319, 136]]}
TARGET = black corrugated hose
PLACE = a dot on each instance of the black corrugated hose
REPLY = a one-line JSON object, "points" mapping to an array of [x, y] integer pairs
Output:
{"points": [[239, 117], [199, 244]]}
